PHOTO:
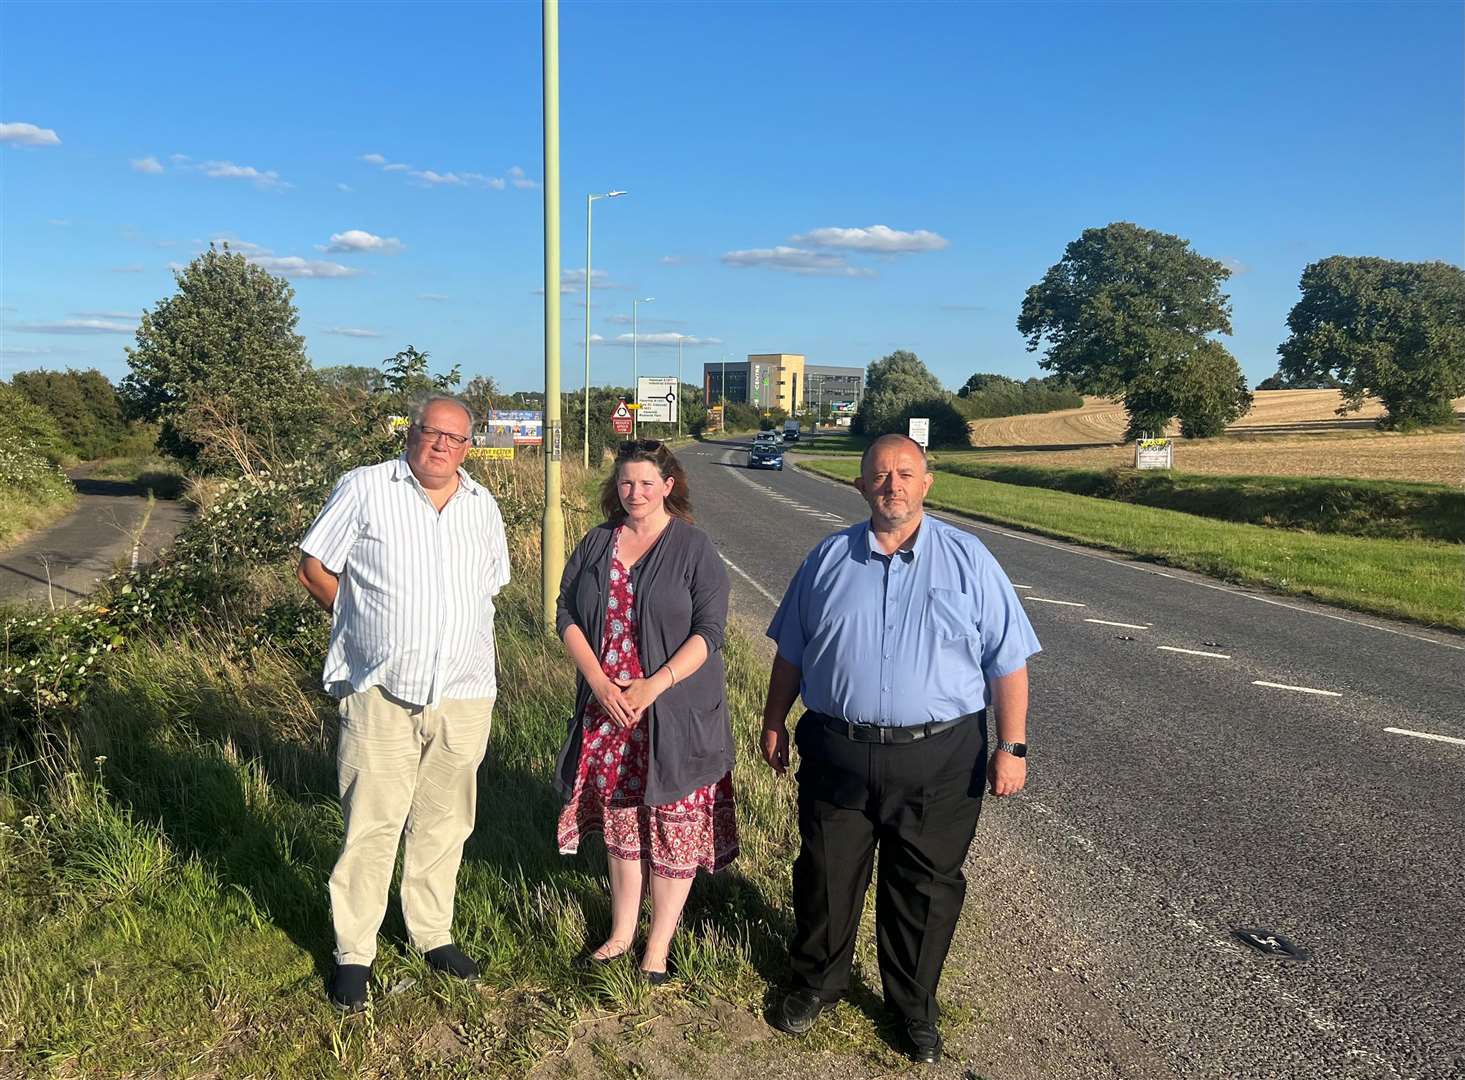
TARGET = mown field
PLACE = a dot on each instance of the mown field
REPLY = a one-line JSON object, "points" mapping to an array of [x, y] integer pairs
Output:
{"points": [[1287, 433]]}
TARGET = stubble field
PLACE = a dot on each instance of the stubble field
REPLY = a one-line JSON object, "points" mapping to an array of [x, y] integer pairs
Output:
{"points": [[1287, 433]]}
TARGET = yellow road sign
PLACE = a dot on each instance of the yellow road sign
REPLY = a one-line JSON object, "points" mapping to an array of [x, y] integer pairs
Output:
{"points": [[492, 453]]}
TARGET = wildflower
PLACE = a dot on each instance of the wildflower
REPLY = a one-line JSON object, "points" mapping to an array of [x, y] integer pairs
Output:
{"points": [[30, 821], [99, 759]]}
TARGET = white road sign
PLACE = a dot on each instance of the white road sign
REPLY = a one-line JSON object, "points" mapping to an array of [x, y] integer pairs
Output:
{"points": [[657, 395], [921, 430]]}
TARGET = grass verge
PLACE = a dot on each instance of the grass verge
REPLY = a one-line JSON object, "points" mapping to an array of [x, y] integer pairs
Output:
{"points": [[162, 476], [25, 512], [1373, 508], [1409, 579], [166, 849]]}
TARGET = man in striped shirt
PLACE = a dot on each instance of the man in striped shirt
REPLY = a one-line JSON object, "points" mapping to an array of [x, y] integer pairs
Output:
{"points": [[407, 556]]}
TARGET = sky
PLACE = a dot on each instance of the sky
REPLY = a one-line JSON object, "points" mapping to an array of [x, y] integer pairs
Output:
{"points": [[834, 179]]}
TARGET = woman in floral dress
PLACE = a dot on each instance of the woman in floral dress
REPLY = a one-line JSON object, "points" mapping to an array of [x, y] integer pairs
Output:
{"points": [[649, 756]]}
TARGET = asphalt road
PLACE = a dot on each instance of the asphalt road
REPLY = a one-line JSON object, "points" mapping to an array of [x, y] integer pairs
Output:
{"points": [[1173, 800], [110, 525]]}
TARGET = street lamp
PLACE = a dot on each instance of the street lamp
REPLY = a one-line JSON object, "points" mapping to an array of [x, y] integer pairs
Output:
{"points": [[589, 200], [679, 383], [636, 359]]}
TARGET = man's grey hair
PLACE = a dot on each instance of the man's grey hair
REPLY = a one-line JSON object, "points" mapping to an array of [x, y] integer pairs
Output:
{"points": [[419, 409]]}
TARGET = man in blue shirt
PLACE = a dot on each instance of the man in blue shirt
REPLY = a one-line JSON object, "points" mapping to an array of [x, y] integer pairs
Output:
{"points": [[897, 633]]}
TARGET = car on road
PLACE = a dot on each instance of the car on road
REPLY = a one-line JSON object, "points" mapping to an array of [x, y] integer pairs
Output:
{"points": [[765, 454]]}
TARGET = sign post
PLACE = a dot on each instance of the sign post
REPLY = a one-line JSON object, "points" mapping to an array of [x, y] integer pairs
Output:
{"points": [[1153, 453], [921, 430]]}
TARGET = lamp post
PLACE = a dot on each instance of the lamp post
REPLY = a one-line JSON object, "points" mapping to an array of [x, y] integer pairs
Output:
{"points": [[589, 201], [552, 532], [679, 383], [636, 359]]}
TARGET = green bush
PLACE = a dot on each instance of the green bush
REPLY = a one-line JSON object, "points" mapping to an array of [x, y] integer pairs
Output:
{"points": [[32, 427], [987, 395]]}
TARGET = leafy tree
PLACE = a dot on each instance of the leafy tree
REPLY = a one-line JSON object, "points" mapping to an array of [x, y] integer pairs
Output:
{"points": [[224, 342], [482, 394], [1278, 381], [1209, 391], [30, 426], [1395, 330], [84, 404], [407, 380], [357, 378], [1121, 306], [892, 383]]}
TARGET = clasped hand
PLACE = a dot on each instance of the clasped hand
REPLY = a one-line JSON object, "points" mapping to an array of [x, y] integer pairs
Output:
{"points": [[625, 700]]}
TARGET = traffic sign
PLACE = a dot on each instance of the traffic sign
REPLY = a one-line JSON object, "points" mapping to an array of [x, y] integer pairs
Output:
{"points": [[920, 430], [658, 397], [620, 418]]}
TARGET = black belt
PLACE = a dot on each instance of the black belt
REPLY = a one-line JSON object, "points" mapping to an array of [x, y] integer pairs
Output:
{"points": [[877, 733]]}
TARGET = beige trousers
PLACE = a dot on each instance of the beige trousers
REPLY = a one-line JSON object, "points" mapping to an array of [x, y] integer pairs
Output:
{"points": [[403, 766]]}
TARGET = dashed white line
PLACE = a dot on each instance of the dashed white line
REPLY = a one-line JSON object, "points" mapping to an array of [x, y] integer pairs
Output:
{"points": [[1299, 689], [1425, 735], [761, 590], [1126, 625], [1045, 600], [1015, 585], [1194, 652]]}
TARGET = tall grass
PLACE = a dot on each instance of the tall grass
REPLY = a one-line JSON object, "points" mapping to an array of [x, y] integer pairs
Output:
{"points": [[1412, 579], [165, 848]]}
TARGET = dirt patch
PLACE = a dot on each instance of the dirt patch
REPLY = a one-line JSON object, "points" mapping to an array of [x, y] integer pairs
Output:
{"points": [[1287, 433]]}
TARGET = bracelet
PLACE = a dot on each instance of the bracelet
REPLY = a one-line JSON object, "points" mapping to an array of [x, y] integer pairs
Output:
{"points": [[672, 672]]}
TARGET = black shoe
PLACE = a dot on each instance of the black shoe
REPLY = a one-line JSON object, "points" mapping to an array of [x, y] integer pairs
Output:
{"points": [[588, 961], [450, 960], [654, 978], [797, 1011], [922, 1041], [348, 986]]}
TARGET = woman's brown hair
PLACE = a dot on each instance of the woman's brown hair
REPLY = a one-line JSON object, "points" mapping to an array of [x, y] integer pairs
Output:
{"points": [[678, 503]]}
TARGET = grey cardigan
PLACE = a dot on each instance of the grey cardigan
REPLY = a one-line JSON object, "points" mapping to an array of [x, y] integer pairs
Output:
{"points": [[681, 589]]}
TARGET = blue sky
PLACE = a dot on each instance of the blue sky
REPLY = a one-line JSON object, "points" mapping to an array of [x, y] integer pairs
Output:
{"points": [[982, 137]]}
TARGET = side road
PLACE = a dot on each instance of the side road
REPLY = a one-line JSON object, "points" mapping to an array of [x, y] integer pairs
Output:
{"points": [[112, 521]]}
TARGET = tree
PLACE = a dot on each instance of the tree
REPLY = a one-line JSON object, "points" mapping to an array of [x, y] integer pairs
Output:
{"points": [[1395, 330], [226, 340], [30, 427], [892, 383], [407, 379], [1121, 306], [84, 405], [1209, 391], [482, 394]]}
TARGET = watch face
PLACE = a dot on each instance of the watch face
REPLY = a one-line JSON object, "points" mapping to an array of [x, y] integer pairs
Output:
{"points": [[1016, 749]]}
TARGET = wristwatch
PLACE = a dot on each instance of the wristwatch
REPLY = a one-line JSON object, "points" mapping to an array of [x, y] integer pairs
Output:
{"points": [[1016, 749]]}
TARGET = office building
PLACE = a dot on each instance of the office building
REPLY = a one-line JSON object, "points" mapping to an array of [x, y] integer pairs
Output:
{"points": [[784, 381]]}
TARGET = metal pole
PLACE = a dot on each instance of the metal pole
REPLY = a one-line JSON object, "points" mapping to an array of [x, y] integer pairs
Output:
{"points": [[679, 383], [589, 202], [635, 364], [552, 536]]}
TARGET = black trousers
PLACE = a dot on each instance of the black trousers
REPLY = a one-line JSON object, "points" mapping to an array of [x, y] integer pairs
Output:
{"points": [[918, 804]]}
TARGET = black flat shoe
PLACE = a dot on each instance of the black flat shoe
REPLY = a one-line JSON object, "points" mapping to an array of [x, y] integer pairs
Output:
{"points": [[451, 960], [797, 1011], [588, 961], [922, 1042], [349, 987], [654, 978]]}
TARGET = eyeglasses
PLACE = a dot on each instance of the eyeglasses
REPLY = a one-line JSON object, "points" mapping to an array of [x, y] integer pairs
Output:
{"points": [[432, 434], [639, 446]]}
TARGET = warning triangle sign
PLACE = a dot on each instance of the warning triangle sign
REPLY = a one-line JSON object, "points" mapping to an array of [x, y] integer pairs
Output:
{"points": [[622, 413]]}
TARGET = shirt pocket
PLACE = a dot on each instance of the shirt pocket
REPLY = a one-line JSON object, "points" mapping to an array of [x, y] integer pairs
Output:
{"points": [[951, 615]]}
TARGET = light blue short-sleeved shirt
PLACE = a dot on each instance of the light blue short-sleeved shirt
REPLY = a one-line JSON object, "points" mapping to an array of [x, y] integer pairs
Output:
{"points": [[414, 613], [905, 639]]}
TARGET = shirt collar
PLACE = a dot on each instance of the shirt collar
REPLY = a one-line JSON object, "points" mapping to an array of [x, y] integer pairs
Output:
{"points": [[402, 471], [907, 554]]}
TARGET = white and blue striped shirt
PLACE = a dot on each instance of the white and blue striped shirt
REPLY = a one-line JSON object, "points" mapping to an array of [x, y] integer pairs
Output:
{"points": [[414, 614]]}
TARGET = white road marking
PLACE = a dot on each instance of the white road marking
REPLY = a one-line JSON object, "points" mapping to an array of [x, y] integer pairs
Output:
{"points": [[1015, 585], [1425, 735], [1195, 652], [1126, 625], [1299, 689], [762, 591], [1045, 600]]}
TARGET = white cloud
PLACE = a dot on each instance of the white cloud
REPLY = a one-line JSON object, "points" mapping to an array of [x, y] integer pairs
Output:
{"points": [[373, 159], [436, 179], [573, 281], [497, 183], [293, 266], [75, 326], [434, 297], [135, 268], [147, 164], [106, 315], [28, 135], [397, 166], [345, 187], [236, 245], [352, 331], [671, 260], [796, 261], [359, 240], [622, 319], [228, 170], [879, 239], [662, 340], [520, 179], [179, 159], [1236, 266]]}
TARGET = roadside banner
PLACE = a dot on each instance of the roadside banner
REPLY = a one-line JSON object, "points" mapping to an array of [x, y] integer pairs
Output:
{"points": [[1153, 453], [522, 427], [657, 396], [492, 453], [620, 418], [921, 430]]}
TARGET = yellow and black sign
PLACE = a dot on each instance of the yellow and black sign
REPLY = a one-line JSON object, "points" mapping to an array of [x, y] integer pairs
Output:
{"points": [[492, 453]]}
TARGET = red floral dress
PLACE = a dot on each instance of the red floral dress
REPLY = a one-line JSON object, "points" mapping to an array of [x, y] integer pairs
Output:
{"points": [[699, 830]]}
